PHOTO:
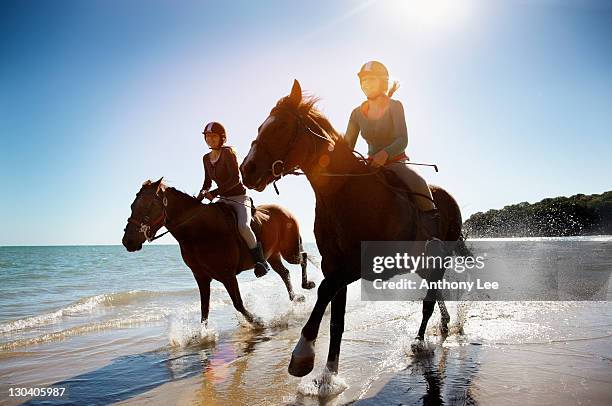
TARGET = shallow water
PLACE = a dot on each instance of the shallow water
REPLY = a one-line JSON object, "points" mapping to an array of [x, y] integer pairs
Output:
{"points": [[118, 327]]}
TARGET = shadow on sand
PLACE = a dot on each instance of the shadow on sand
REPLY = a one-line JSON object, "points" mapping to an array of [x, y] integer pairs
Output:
{"points": [[131, 375]]}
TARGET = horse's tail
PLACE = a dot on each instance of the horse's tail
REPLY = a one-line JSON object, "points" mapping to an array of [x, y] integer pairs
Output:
{"points": [[461, 248], [312, 259]]}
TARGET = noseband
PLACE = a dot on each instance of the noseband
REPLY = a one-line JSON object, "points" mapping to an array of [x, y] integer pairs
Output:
{"points": [[145, 226]]}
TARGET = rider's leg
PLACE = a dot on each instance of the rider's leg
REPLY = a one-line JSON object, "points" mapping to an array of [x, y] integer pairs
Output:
{"points": [[243, 215], [417, 184], [248, 236]]}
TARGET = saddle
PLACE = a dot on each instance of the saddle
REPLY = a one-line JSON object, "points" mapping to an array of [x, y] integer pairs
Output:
{"points": [[396, 185], [230, 214], [404, 193]]}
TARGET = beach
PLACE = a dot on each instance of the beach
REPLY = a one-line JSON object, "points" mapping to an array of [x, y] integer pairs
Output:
{"points": [[113, 327]]}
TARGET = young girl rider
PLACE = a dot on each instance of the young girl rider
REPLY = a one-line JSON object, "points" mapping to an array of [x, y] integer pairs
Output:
{"points": [[380, 120], [221, 166]]}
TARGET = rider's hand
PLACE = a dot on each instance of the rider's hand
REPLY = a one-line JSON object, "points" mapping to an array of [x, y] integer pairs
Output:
{"points": [[202, 194], [380, 158], [209, 196]]}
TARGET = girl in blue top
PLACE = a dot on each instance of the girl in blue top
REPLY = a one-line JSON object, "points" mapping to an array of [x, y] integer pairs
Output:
{"points": [[381, 122]]}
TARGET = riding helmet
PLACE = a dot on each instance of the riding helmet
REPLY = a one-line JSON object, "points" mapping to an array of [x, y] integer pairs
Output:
{"points": [[217, 128], [373, 68]]}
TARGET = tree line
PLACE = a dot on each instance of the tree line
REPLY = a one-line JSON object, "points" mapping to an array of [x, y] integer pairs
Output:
{"points": [[553, 217]]}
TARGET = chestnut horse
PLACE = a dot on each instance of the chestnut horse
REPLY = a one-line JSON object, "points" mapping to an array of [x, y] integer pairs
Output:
{"points": [[354, 203], [210, 244]]}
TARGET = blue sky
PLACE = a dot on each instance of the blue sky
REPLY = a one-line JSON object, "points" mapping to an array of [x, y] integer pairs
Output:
{"points": [[511, 99]]}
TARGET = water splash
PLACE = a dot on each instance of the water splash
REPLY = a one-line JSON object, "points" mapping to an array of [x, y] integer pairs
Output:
{"points": [[183, 331], [327, 384]]}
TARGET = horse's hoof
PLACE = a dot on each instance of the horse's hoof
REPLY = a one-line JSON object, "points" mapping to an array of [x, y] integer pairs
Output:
{"points": [[302, 357], [417, 345], [300, 366], [332, 367], [257, 323], [308, 285], [299, 298], [259, 272]]}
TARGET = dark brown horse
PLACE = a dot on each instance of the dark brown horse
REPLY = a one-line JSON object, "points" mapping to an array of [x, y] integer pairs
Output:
{"points": [[354, 203], [209, 240]]}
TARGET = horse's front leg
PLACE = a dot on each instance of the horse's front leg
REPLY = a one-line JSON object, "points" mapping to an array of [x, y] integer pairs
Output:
{"points": [[231, 285], [303, 356], [204, 286], [336, 328]]}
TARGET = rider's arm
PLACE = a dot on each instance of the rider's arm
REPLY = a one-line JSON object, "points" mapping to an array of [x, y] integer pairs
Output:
{"points": [[352, 131], [400, 142], [231, 165], [207, 181]]}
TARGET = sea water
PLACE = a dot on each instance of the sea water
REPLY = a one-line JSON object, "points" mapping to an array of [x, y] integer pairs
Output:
{"points": [[113, 326]]}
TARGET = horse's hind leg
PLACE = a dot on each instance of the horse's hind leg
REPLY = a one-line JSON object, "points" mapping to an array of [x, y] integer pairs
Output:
{"points": [[277, 264], [428, 307], [232, 288], [444, 317], [295, 254], [306, 284]]}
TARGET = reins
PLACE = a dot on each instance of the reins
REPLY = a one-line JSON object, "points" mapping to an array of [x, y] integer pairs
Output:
{"points": [[145, 227], [250, 206], [357, 154]]}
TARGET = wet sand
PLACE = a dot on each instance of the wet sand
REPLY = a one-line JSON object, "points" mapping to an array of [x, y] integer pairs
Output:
{"points": [[381, 368], [378, 364]]}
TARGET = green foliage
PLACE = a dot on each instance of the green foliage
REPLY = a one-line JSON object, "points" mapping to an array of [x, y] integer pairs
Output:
{"points": [[560, 216]]}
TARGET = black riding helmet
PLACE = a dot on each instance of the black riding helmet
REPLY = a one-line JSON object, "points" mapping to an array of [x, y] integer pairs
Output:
{"points": [[216, 128]]}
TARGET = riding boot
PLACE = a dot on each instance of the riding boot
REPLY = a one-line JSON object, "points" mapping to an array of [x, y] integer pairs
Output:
{"points": [[434, 246], [261, 265]]}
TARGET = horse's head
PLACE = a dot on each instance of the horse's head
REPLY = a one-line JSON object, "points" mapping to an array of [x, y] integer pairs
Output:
{"points": [[148, 215], [285, 141]]}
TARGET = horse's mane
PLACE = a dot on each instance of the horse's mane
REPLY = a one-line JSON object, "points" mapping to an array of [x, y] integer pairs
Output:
{"points": [[181, 194], [307, 109], [163, 185]]}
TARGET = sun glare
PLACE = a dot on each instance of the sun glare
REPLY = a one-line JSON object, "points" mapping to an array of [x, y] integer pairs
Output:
{"points": [[433, 14]]}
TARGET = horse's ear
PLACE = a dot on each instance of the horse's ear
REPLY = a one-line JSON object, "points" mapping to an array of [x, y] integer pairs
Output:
{"points": [[296, 93], [160, 185]]}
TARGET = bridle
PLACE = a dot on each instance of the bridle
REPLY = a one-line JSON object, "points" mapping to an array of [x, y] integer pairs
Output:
{"points": [[277, 174], [304, 126], [145, 226]]}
